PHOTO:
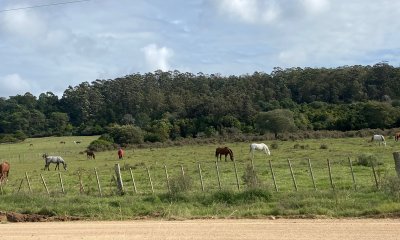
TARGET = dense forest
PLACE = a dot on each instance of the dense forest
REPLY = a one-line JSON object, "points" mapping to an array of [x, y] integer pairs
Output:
{"points": [[174, 105]]}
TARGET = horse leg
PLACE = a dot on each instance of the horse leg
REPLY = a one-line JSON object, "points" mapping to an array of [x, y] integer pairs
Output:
{"points": [[225, 156]]}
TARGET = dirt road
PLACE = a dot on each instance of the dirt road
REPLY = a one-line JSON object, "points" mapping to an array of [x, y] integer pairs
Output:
{"points": [[298, 229]]}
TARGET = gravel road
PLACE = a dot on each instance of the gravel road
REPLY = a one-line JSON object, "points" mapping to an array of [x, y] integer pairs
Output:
{"points": [[298, 229]]}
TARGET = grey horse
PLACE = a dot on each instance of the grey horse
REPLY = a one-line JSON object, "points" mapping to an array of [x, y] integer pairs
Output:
{"points": [[53, 159]]}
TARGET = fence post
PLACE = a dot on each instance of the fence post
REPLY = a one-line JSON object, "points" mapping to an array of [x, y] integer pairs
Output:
{"points": [[373, 171], [183, 171], [396, 157], [98, 182], [133, 181], [330, 174], [20, 185], [29, 183], [61, 182], [273, 175], [44, 183], [166, 176], [291, 172], [81, 188], [219, 180], [120, 184], [151, 182], [312, 174], [201, 179], [352, 174], [236, 174]]}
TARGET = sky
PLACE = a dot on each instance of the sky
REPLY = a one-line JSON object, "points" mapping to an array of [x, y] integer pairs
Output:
{"points": [[48, 48]]}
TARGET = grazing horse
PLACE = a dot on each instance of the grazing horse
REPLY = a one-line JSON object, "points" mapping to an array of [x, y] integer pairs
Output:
{"points": [[120, 153], [90, 154], [223, 151], [397, 136], [4, 170], [260, 147], [62, 142], [77, 142], [378, 138], [53, 159]]}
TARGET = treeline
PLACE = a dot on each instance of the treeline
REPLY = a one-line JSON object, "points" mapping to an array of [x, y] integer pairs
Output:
{"points": [[171, 105]]}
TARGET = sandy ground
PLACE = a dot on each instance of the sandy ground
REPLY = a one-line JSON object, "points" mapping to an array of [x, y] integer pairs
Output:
{"points": [[381, 229]]}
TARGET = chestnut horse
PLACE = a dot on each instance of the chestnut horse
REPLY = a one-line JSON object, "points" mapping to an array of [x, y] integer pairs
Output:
{"points": [[4, 170], [120, 153], [397, 136], [223, 151]]}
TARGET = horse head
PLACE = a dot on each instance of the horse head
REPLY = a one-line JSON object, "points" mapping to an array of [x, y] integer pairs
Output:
{"points": [[65, 166], [44, 156], [231, 154]]}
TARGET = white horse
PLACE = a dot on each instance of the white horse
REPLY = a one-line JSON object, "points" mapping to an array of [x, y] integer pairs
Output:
{"points": [[260, 147], [53, 159], [378, 138]]}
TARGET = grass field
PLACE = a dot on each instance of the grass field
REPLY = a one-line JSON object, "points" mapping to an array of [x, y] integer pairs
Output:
{"points": [[81, 193]]}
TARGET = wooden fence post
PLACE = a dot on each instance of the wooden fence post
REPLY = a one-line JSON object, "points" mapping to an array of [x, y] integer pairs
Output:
{"points": [[98, 182], [133, 181], [166, 176], [183, 171], [330, 174], [291, 172], [45, 186], [273, 175], [312, 174], [29, 183], [219, 180], [376, 179], [61, 182], [396, 156], [236, 174], [20, 185], [352, 174], [81, 188], [151, 182], [201, 178], [120, 184]]}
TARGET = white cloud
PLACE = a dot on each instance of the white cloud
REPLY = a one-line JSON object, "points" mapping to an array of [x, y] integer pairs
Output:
{"points": [[157, 57], [316, 6], [251, 11], [14, 83], [26, 24]]}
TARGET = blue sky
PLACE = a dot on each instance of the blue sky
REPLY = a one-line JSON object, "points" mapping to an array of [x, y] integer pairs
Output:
{"points": [[49, 48]]}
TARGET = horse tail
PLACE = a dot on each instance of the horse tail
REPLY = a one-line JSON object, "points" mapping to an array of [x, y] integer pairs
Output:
{"points": [[216, 152]]}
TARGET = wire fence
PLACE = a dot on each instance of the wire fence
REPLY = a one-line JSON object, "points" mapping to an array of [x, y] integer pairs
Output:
{"points": [[142, 178]]}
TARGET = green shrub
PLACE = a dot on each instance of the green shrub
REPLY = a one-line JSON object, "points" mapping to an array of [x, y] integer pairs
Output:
{"points": [[367, 160], [126, 134], [323, 146], [179, 184], [391, 185], [250, 177], [274, 145], [101, 145], [106, 137]]}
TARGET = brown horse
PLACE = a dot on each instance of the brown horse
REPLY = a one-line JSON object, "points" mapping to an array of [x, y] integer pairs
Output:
{"points": [[90, 154], [397, 136], [4, 170], [223, 151], [120, 153]]}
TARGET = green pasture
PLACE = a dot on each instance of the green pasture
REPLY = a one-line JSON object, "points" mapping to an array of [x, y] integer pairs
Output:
{"points": [[81, 195]]}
